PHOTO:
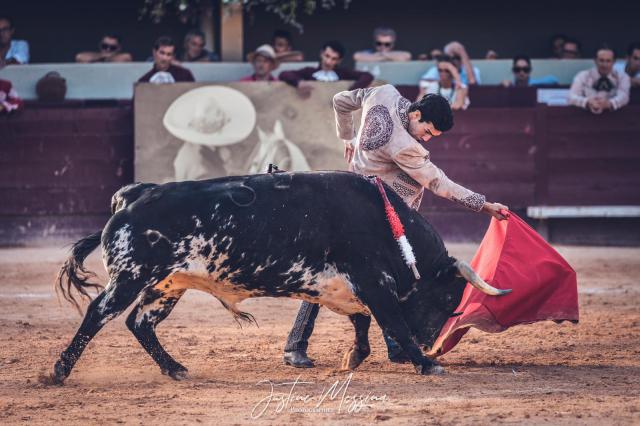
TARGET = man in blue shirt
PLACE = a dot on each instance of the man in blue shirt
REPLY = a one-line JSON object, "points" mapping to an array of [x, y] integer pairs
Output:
{"points": [[522, 75], [11, 51]]}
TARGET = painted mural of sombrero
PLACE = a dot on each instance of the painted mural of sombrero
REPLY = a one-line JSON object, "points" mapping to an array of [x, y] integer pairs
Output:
{"points": [[211, 116]]}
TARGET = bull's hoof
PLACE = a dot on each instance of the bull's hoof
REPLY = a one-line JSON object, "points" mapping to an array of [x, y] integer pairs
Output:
{"points": [[353, 358], [298, 359], [60, 373], [431, 369], [400, 358], [50, 379], [178, 373]]}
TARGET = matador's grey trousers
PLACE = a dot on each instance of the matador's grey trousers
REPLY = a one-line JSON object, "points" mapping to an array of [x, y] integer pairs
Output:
{"points": [[298, 339]]}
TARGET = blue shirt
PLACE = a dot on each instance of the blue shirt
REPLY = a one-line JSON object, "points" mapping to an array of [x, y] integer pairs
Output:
{"points": [[547, 80], [620, 67], [18, 50], [432, 74]]}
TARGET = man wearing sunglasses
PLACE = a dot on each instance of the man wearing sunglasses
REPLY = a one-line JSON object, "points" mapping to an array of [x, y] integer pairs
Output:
{"points": [[11, 51], [384, 40], [522, 75], [109, 50]]}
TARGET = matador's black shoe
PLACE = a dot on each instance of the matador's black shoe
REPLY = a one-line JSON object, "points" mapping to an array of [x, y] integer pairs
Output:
{"points": [[298, 359]]}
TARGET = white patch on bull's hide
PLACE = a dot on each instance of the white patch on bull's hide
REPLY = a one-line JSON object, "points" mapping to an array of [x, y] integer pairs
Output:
{"points": [[146, 313], [195, 274], [104, 304], [120, 250], [267, 263], [197, 220], [388, 282], [335, 292]]}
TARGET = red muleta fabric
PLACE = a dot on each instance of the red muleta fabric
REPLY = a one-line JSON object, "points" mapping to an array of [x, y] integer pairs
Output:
{"points": [[513, 255]]}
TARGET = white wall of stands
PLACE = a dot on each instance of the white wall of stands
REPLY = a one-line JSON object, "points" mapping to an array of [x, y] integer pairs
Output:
{"points": [[115, 81]]}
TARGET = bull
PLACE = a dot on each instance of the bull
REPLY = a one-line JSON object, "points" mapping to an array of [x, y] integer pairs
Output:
{"points": [[322, 237]]}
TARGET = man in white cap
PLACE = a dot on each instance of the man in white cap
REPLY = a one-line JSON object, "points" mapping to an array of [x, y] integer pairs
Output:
{"points": [[264, 62]]}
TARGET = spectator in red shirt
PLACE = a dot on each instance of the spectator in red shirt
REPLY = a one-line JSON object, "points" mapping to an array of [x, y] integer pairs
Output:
{"points": [[264, 61], [327, 70], [164, 70], [9, 100]]}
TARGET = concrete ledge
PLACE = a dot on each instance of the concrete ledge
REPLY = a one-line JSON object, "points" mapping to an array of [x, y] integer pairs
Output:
{"points": [[555, 212]]}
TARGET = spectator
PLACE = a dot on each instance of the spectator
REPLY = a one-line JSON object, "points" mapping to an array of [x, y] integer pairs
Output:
{"points": [[431, 56], [449, 85], [435, 53], [632, 66], [571, 49], [468, 73], [522, 74], [164, 71], [384, 40], [11, 51], [491, 54], [194, 50], [282, 43], [109, 50], [51, 88], [264, 61], [557, 46], [9, 100], [328, 69], [602, 87]]}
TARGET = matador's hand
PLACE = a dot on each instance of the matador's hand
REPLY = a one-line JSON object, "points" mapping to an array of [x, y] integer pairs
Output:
{"points": [[494, 210], [349, 149]]}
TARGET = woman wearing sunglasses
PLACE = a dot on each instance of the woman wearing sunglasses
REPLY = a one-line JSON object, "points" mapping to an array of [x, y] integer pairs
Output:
{"points": [[522, 75]]}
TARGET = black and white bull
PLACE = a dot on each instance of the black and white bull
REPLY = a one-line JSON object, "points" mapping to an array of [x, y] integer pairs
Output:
{"points": [[321, 237]]}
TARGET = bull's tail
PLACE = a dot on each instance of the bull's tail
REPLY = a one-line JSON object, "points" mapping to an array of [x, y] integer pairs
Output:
{"points": [[73, 272]]}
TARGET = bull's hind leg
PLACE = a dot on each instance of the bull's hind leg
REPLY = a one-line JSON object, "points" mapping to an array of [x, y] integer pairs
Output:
{"points": [[116, 297], [155, 304], [360, 349]]}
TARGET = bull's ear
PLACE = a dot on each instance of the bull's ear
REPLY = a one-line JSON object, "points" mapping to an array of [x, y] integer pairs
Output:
{"points": [[278, 131]]}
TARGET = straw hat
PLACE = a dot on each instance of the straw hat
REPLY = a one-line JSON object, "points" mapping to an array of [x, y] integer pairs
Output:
{"points": [[211, 115]]}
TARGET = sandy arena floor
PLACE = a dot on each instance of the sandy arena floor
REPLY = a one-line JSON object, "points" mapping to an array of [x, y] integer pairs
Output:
{"points": [[537, 374]]}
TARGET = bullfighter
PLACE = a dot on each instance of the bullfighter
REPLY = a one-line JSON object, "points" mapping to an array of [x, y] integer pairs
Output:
{"points": [[389, 145]]}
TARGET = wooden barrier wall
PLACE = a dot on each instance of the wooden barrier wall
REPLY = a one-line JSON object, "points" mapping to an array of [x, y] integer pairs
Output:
{"points": [[61, 164], [59, 167]]}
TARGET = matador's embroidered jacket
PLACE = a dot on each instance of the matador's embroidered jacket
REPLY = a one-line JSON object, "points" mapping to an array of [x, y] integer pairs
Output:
{"points": [[385, 148]]}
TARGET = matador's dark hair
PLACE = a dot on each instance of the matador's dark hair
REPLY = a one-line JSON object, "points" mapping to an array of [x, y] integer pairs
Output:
{"points": [[436, 109]]}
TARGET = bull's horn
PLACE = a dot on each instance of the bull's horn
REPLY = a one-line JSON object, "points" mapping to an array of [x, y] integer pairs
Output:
{"points": [[474, 279]]}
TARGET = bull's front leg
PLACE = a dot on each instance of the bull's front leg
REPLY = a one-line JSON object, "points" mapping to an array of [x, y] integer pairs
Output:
{"points": [[360, 349], [387, 312]]}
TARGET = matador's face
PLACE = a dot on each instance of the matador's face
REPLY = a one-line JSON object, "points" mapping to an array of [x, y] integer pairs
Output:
{"points": [[421, 131]]}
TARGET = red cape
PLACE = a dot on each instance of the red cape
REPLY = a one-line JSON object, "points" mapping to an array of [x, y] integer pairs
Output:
{"points": [[512, 255]]}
